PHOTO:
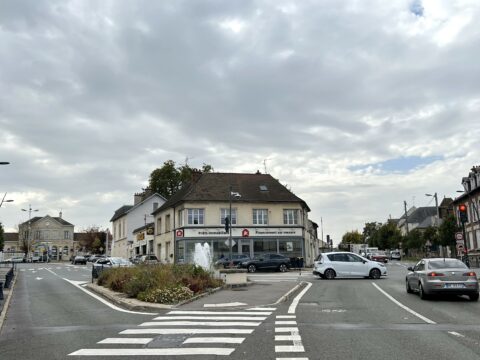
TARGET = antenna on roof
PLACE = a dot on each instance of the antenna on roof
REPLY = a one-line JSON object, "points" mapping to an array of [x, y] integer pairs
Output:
{"points": [[265, 165], [186, 160]]}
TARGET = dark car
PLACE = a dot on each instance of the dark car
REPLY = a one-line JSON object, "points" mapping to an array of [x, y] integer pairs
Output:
{"points": [[267, 262], [79, 259], [380, 257], [237, 259]]}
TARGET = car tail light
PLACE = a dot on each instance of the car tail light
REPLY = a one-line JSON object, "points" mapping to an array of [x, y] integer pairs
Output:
{"points": [[435, 274], [471, 273]]}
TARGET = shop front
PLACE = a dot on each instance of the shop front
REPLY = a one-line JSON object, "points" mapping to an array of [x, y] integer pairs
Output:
{"points": [[250, 241]]}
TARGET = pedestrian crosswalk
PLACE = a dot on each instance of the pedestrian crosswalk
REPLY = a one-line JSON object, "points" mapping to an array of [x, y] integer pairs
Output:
{"points": [[293, 276], [198, 332], [288, 339]]}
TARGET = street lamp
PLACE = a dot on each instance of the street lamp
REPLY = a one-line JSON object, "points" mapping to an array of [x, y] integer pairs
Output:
{"points": [[29, 226], [3, 200], [236, 195], [437, 220], [4, 163]]}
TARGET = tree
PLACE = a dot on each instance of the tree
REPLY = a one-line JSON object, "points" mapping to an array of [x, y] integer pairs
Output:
{"points": [[352, 237], [2, 241], [92, 239], [430, 234], [369, 231], [414, 240], [168, 179], [388, 236], [447, 230]]}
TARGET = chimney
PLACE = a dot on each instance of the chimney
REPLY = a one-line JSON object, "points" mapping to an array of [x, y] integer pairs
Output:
{"points": [[137, 198], [60, 214]]}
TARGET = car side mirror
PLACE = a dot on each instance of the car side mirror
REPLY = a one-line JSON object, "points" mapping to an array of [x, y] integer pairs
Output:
{"points": [[410, 268], [364, 261]]}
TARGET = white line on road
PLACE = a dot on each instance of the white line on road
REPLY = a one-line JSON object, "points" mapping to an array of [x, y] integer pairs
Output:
{"points": [[38, 278], [427, 320], [214, 340], [288, 338], [224, 305], [77, 285], [289, 348], [194, 312], [262, 309], [456, 334], [185, 331], [287, 329], [244, 318], [302, 358], [286, 322], [285, 316], [153, 352], [140, 341], [200, 323], [293, 305]]}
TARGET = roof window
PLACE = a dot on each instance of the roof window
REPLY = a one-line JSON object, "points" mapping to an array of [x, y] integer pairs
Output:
{"points": [[263, 188]]}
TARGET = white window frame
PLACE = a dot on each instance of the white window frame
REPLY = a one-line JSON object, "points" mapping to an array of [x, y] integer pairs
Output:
{"points": [[181, 217], [196, 214], [224, 213], [290, 216], [260, 216]]}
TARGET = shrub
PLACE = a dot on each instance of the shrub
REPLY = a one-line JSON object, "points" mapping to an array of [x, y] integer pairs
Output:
{"points": [[166, 295]]}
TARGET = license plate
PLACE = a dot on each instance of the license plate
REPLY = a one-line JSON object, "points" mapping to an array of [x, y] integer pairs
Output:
{"points": [[454, 286]]}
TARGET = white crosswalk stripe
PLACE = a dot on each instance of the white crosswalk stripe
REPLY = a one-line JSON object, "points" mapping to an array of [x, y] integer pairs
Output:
{"points": [[217, 329], [291, 343]]}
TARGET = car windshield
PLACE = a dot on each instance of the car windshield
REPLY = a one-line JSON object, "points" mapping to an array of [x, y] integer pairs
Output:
{"points": [[446, 264]]}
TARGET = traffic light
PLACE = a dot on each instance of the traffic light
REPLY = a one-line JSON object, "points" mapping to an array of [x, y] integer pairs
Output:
{"points": [[329, 241], [227, 224], [462, 210]]}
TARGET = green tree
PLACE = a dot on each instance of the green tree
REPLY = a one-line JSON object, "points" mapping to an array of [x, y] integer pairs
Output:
{"points": [[388, 236], [92, 239], [352, 237], [168, 179], [447, 230], [430, 234], [369, 231], [2, 240], [414, 240]]}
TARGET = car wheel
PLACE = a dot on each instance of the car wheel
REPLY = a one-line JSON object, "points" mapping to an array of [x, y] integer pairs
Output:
{"points": [[329, 274], [407, 285], [473, 297], [375, 274], [421, 292], [252, 268], [282, 268]]}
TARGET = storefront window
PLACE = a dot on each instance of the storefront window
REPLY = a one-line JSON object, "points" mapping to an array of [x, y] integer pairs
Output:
{"points": [[290, 247], [264, 246], [220, 247], [180, 251]]}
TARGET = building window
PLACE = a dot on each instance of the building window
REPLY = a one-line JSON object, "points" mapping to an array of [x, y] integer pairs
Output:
{"points": [[195, 216], [290, 216], [37, 234], [167, 223], [181, 214], [66, 234], [159, 225], [260, 217], [224, 214]]}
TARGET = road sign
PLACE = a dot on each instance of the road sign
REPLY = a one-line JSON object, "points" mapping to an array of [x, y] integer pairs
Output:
{"points": [[458, 236], [460, 248], [460, 242]]}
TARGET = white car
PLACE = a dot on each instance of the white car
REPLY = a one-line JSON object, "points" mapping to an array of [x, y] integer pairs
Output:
{"points": [[347, 264]]}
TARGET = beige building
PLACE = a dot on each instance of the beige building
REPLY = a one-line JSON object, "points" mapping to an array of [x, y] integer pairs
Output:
{"points": [[47, 235], [266, 218]]}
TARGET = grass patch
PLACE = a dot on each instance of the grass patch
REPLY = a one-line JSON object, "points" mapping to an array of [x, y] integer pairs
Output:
{"points": [[163, 283]]}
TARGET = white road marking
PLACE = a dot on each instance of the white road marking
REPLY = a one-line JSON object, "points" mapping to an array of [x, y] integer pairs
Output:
{"points": [[224, 305], [214, 340], [200, 323], [195, 312], [77, 285], [245, 318], [38, 278], [286, 329], [286, 316], [141, 341], [456, 334], [293, 305], [289, 348], [185, 331], [153, 352], [288, 338], [334, 310], [22, 269], [297, 358], [261, 309], [285, 322], [427, 320]]}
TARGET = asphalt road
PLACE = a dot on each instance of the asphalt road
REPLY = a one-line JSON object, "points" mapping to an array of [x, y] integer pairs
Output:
{"points": [[51, 318]]}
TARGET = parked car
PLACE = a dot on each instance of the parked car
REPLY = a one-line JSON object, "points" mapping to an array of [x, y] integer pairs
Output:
{"points": [[109, 262], [395, 255], [94, 258], [149, 259], [347, 264], [379, 256], [237, 259], [16, 259], [135, 259], [267, 261], [34, 258], [79, 259], [434, 276]]}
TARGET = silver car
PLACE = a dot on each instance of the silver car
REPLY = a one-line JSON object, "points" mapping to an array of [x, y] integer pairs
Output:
{"points": [[442, 276]]}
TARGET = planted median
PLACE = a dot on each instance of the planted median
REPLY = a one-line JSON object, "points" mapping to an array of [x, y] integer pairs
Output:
{"points": [[163, 284]]}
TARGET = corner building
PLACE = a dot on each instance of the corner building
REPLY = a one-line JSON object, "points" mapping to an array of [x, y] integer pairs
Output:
{"points": [[266, 218]]}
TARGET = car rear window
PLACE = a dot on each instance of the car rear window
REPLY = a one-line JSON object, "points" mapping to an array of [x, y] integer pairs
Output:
{"points": [[446, 264]]}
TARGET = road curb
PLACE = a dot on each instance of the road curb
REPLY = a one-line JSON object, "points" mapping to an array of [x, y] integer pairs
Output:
{"points": [[137, 305], [3, 315], [290, 293]]}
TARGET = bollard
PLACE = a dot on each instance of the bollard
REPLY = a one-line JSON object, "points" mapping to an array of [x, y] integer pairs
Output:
{"points": [[1, 290], [8, 279]]}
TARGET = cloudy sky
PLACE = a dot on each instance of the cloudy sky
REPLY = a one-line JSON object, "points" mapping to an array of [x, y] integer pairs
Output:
{"points": [[356, 105]]}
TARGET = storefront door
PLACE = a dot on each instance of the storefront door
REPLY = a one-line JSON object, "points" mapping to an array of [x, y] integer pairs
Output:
{"points": [[246, 247]]}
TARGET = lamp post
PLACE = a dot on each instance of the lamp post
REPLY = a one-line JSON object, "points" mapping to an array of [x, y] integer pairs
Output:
{"points": [[437, 220], [29, 226], [3, 200], [4, 163], [237, 196]]}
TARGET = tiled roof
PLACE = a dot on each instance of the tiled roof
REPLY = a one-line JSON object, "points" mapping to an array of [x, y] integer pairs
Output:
{"points": [[120, 212], [216, 187], [421, 214], [8, 236], [37, 218]]}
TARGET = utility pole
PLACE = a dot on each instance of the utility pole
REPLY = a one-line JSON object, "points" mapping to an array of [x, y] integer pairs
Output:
{"points": [[29, 236], [406, 215]]}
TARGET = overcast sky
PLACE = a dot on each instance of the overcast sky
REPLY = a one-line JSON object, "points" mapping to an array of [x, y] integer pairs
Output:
{"points": [[356, 105]]}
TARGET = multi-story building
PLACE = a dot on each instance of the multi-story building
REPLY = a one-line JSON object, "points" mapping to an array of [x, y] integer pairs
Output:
{"points": [[47, 234], [130, 217], [471, 198], [265, 218]]}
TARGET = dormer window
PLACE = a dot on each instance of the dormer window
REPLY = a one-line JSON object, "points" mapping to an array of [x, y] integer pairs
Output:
{"points": [[263, 188]]}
